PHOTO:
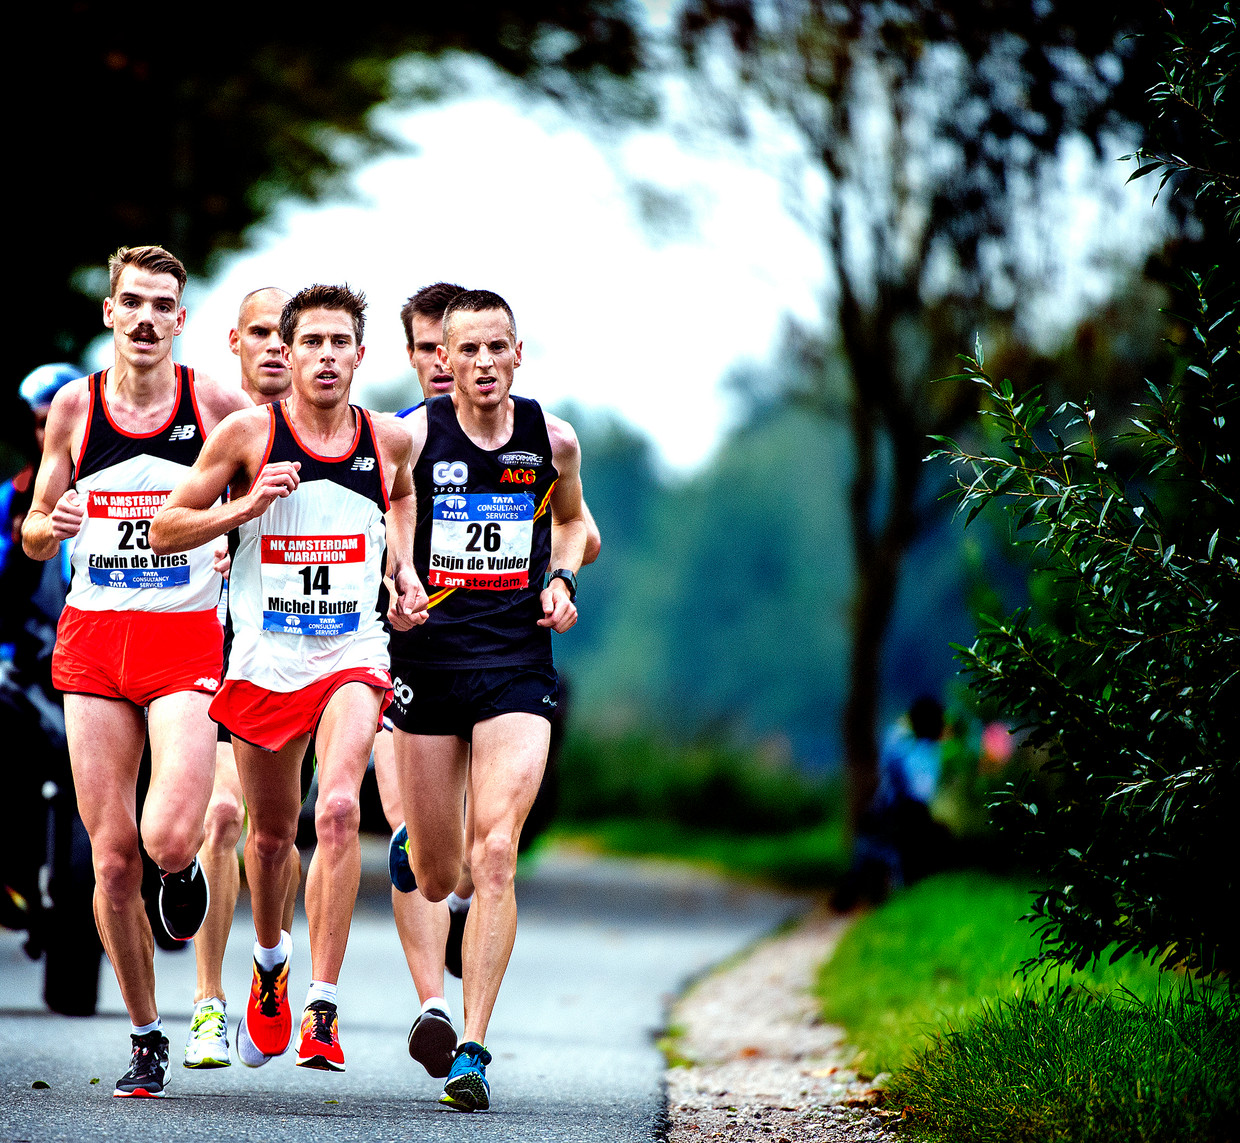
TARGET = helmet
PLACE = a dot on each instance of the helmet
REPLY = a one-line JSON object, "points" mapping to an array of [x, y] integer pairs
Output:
{"points": [[40, 385]]}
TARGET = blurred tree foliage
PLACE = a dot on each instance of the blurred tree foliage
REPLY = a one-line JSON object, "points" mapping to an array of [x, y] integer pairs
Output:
{"points": [[1127, 685], [132, 126], [936, 126]]}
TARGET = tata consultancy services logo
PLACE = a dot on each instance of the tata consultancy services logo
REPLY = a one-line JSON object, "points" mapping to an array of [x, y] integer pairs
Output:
{"points": [[454, 503]]}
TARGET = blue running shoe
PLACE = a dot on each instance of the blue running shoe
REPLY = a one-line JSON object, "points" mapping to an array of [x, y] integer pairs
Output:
{"points": [[398, 861], [467, 1088]]}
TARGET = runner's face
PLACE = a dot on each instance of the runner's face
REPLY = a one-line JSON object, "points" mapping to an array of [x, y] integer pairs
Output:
{"points": [[265, 375], [144, 315], [432, 376], [323, 356], [482, 355]]}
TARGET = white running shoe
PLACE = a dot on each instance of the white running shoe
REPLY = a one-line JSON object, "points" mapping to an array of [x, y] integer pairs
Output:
{"points": [[207, 1046], [247, 1053]]}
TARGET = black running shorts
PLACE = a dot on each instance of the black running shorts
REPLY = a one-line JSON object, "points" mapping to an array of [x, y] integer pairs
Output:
{"points": [[440, 700]]}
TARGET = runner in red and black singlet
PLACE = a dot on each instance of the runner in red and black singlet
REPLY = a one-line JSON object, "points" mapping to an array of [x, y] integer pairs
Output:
{"points": [[139, 629], [310, 483]]}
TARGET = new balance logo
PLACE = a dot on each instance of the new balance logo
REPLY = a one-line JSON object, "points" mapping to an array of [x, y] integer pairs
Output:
{"points": [[182, 432], [208, 684], [363, 464]]}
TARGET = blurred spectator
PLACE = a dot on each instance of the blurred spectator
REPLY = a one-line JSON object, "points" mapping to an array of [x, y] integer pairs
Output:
{"points": [[898, 842], [34, 592]]}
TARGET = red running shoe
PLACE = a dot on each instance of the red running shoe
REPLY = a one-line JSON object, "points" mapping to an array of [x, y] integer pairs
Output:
{"points": [[268, 1018], [320, 1043]]}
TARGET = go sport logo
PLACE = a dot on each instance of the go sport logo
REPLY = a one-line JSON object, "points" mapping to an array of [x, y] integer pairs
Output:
{"points": [[450, 472], [402, 692]]}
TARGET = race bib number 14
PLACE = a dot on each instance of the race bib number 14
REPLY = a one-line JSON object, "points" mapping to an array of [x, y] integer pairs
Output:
{"points": [[482, 540], [312, 585]]}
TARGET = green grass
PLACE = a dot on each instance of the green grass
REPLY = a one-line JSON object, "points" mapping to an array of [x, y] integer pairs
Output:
{"points": [[935, 953], [804, 858], [925, 987], [1074, 1068]]}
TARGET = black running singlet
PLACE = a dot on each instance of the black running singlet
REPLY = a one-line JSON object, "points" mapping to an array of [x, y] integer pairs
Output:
{"points": [[483, 543]]}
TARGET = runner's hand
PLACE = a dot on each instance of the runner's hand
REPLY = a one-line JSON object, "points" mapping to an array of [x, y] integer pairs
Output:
{"points": [[273, 482], [559, 611], [222, 562], [409, 602], [68, 515]]}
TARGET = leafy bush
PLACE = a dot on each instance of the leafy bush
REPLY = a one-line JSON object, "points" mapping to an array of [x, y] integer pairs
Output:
{"points": [[1132, 689], [1133, 833]]}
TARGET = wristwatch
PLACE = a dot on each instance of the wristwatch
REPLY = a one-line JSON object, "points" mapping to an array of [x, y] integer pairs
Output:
{"points": [[567, 577]]}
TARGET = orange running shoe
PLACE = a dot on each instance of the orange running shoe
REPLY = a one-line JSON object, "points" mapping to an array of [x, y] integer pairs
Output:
{"points": [[268, 1018], [320, 1043]]}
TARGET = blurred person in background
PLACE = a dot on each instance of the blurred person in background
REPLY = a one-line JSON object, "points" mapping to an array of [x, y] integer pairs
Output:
{"points": [[898, 842]]}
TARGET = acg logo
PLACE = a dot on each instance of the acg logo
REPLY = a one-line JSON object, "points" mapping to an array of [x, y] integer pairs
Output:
{"points": [[518, 476], [450, 472]]}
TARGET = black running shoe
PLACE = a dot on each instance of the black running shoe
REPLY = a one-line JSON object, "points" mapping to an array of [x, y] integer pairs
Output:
{"points": [[145, 1077], [456, 932], [183, 901], [432, 1042]]}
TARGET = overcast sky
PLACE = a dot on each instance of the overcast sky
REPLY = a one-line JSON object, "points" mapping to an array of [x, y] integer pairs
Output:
{"points": [[614, 312]]}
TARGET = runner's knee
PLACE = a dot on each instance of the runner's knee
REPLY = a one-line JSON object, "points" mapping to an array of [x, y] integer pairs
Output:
{"points": [[337, 817], [118, 871], [172, 845], [493, 861], [225, 818]]}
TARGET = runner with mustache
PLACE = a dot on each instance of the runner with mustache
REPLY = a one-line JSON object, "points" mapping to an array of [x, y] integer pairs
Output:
{"points": [[138, 644]]}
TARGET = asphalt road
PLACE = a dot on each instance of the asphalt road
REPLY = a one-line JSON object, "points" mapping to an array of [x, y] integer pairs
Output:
{"points": [[602, 946]]}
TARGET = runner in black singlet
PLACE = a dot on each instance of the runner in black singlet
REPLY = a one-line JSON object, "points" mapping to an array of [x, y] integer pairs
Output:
{"points": [[499, 541]]}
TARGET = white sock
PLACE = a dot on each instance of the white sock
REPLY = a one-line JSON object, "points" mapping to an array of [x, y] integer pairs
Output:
{"points": [[156, 1025], [459, 904], [440, 1003], [321, 990], [267, 958]]}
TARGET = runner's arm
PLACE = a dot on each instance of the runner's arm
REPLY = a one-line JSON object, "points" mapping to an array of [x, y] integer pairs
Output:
{"points": [[191, 517], [568, 527], [594, 539], [56, 512], [407, 596]]}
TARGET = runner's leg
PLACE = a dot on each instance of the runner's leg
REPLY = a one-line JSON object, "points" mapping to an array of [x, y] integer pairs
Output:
{"points": [[431, 772], [105, 746], [509, 753], [344, 739], [218, 855], [422, 925], [182, 773], [272, 785]]}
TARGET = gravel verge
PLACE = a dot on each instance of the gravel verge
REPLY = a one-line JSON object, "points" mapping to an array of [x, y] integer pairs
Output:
{"points": [[753, 1059]]}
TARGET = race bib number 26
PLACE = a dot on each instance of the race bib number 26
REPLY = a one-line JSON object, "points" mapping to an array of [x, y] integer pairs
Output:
{"points": [[312, 585], [481, 540]]}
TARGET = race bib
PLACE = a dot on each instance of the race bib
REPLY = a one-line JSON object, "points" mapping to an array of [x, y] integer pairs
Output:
{"points": [[312, 585], [481, 540], [119, 551]]}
